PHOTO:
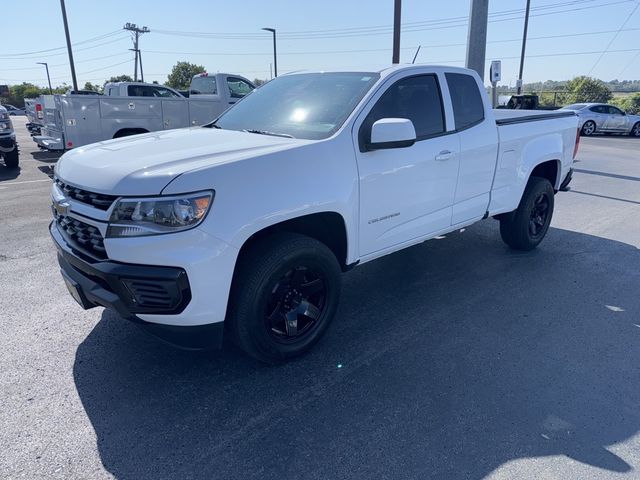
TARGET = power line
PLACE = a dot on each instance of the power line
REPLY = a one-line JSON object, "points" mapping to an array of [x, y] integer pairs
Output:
{"points": [[614, 37], [64, 53], [66, 64], [451, 22], [89, 40], [365, 50]]}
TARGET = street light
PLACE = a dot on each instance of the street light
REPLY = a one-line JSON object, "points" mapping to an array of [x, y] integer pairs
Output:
{"points": [[48, 78], [275, 59]]}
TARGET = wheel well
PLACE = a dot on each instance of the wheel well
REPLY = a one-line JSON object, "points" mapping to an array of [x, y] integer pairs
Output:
{"points": [[326, 227], [126, 132], [548, 170]]}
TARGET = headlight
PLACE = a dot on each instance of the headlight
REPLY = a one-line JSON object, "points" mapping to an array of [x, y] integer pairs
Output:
{"points": [[152, 216], [4, 116]]}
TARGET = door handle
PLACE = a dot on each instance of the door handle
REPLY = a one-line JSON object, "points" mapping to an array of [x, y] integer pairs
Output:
{"points": [[444, 155]]}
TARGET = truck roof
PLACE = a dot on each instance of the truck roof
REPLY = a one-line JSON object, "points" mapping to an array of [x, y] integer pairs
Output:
{"points": [[386, 70]]}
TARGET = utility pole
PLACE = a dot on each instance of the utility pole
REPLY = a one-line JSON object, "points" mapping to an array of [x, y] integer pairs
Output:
{"points": [[66, 32], [275, 57], [139, 56], [136, 32], [397, 14], [477, 36], [524, 46], [48, 77]]}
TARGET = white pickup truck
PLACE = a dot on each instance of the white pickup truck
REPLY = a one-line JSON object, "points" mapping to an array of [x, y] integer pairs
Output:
{"points": [[245, 224], [131, 108]]}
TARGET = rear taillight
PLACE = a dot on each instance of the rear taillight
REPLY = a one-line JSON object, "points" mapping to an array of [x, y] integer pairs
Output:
{"points": [[39, 111], [575, 149]]}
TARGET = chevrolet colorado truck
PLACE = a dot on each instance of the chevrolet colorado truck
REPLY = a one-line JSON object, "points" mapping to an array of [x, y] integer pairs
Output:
{"points": [[244, 225], [8, 146]]}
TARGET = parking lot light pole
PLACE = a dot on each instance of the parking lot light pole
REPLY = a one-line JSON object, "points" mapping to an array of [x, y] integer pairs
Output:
{"points": [[66, 32], [275, 58], [48, 77], [524, 46]]}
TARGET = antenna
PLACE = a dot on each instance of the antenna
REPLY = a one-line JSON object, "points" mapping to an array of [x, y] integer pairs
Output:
{"points": [[416, 55]]}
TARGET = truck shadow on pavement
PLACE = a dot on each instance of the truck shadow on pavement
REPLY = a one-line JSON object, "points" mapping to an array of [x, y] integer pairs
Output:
{"points": [[446, 360]]}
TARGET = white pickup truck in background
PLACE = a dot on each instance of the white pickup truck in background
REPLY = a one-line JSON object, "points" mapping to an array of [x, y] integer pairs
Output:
{"points": [[245, 224], [131, 108]]}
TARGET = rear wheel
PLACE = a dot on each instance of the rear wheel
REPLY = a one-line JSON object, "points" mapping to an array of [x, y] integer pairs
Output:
{"points": [[635, 131], [11, 159], [284, 296], [524, 228], [589, 128]]}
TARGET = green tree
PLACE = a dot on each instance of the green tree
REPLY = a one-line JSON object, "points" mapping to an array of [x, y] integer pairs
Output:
{"points": [[628, 103], [182, 73], [258, 81], [94, 87], [119, 78], [586, 89]]}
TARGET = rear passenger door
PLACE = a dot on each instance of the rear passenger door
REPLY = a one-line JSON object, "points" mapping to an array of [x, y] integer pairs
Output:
{"points": [[406, 193], [478, 147]]}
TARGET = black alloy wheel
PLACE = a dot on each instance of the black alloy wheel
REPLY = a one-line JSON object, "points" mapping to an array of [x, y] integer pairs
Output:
{"points": [[284, 296], [539, 214], [296, 304]]}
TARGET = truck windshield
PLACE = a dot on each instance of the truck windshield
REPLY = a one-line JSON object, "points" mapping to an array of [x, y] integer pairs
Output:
{"points": [[310, 106]]}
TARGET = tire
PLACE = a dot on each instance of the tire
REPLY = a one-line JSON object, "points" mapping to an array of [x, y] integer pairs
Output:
{"points": [[635, 131], [589, 128], [284, 296], [524, 228], [11, 158]]}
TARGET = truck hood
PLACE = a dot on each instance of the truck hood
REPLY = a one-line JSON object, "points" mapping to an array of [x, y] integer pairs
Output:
{"points": [[145, 164]]}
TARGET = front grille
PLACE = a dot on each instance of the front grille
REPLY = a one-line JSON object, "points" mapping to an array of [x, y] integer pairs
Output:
{"points": [[82, 236], [98, 200]]}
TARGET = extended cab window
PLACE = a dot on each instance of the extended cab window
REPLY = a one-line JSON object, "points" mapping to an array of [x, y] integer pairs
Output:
{"points": [[615, 111], [415, 98], [466, 99], [238, 88], [204, 85]]}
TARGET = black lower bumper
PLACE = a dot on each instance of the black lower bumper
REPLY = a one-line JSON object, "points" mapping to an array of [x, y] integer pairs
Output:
{"points": [[131, 290], [564, 187]]}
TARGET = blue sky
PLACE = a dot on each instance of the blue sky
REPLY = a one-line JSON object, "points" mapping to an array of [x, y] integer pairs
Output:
{"points": [[566, 37]]}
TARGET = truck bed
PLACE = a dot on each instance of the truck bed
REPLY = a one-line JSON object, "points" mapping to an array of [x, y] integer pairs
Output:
{"points": [[507, 117]]}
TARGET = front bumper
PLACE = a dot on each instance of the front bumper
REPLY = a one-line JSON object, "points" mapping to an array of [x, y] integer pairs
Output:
{"points": [[134, 291]]}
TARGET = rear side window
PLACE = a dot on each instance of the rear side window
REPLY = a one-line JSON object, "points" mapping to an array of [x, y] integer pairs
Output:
{"points": [[599, 109], [468, 108], [415, 98]]}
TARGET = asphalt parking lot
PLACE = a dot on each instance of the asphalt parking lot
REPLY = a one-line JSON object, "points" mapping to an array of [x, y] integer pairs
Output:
{"points": [[454, 359]]}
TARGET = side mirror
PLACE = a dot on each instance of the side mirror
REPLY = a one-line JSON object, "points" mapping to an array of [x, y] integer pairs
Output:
{"points": [[392, 133]]}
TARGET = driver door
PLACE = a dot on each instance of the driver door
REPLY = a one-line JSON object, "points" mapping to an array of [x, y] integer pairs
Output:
{"points": [[617, 120], [407, 193]]}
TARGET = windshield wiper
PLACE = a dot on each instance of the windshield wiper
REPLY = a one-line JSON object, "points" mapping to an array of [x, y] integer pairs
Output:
{"points": [[266, 132], [212, 125]]}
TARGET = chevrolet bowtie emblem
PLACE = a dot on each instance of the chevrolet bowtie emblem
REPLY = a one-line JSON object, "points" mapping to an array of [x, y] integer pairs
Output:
{"points": [[61, 208]]}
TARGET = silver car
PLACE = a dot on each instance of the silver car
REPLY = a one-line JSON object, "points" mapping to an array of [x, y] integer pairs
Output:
{"points": [[603, 118]]}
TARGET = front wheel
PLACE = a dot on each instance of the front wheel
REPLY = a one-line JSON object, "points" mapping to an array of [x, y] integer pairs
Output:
{"points": [[11, 158], [284, 296], [635, 131], [524, 228], [589, 128]]}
